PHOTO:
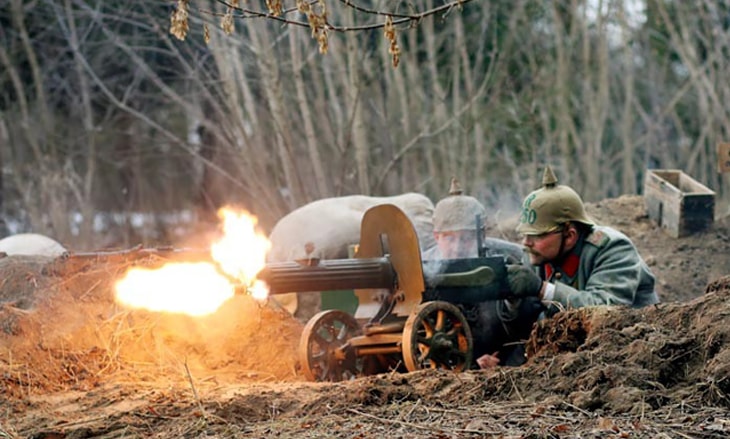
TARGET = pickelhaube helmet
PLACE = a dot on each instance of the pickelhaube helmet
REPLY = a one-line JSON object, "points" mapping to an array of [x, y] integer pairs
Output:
{"points": [[551, 206], [457, 211]]}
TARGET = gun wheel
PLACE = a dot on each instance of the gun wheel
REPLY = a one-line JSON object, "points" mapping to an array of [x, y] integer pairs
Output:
{"points": [[324, 349], [437, 336]]}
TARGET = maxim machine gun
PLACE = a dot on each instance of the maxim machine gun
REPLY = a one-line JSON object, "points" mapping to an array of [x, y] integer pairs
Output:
{"points": [[410, 314]]}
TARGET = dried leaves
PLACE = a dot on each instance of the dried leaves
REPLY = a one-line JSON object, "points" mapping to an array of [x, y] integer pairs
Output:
{"points": [[179, 20], [275, 7], [389, 34], [317, 20], [315, 12], [227, 19], [227, 22]]}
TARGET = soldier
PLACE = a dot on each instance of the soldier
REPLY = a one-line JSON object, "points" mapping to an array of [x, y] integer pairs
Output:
{"points": [[457, 220], [459, 225], [574, 262], [569, 261]]}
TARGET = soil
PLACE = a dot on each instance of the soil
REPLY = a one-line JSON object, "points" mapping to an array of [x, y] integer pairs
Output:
{"points": [[74, 364]]}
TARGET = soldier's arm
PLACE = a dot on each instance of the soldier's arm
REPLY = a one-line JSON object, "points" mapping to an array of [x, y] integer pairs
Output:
{"points": [[614, 278]]}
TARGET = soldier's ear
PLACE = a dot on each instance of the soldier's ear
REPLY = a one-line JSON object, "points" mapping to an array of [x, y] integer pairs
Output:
{"points": [[571, 234]]}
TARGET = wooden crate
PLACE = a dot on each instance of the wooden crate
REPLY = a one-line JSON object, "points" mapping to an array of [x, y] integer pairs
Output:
{"points": [[679, 204]]}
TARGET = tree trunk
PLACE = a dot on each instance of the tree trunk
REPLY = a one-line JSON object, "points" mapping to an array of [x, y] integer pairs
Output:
{"points": [[303, 103], [86, 203], [355, 91]]}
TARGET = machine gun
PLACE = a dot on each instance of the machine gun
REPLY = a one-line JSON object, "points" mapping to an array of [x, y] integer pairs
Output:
{"points": [[408, 311]]}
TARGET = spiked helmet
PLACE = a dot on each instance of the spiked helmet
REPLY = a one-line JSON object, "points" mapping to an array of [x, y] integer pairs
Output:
{"points": [[457, 211], [546, 209]]}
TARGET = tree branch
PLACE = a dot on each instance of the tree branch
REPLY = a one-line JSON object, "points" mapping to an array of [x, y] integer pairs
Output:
{"points": [[398, 19]]}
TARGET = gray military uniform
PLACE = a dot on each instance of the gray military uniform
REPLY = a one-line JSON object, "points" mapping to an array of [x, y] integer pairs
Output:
{"points": [[604, 268]]}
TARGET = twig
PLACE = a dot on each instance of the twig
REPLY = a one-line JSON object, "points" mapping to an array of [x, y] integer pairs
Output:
{"points": [[195, 392], [6, 434], [410, 412], [577, 408], [514, 386], [244, 13], [89, 290], [429, 427], [81, 422], [394, 371]]}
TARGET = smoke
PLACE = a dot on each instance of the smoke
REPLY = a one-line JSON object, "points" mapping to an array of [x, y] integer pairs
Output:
{"points": [[503, 204], [432, 268]]}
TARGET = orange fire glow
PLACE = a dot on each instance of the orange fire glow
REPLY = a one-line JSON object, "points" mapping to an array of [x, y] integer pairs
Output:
{"points": [[191, 288], [241, 252], [201, 288]]}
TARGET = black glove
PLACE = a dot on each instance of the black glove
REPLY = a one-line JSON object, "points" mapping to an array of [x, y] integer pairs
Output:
{"points": [[523, 281]]}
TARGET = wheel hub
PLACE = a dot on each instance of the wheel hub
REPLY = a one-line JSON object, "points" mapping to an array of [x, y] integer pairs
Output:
{"points": [[441, 342]]}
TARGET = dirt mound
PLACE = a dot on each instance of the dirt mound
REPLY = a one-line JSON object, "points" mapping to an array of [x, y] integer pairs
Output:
{"points": [[24, 280], [638, 360], [603, 372], [75, 336], [75, 364]]}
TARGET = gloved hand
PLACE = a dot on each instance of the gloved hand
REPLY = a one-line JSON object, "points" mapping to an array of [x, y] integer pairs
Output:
{"points": [[523, 281]]}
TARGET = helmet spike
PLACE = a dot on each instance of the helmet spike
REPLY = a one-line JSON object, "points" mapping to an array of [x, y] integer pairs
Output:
{"points": [[455, 188], [548, 177], [458, 212]]}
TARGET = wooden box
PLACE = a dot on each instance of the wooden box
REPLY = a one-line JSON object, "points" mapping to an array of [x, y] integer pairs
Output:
{"points": [[679, 204]]}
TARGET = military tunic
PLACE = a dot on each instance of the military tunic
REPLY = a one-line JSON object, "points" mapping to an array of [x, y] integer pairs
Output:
{"points": [[604, 268]]}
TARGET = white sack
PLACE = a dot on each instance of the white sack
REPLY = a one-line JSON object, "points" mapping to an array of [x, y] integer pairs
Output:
{"points": [[30, 244], [332, 224]]}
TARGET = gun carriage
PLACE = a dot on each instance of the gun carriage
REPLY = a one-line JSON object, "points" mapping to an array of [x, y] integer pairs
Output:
{"points": [[410, 312]]}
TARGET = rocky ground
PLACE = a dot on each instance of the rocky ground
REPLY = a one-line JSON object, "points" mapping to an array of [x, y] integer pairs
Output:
{"points": [[73, 364]]}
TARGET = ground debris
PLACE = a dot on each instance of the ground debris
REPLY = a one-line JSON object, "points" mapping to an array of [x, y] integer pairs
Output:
{"points": [[74, 364]]}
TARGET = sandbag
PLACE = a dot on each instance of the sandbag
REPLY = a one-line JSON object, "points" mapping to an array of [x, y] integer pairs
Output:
{"points": [[30, 244], [333, 224]]}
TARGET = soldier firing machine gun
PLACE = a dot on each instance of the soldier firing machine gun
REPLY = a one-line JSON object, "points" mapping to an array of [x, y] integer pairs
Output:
{"points": [[408, 311]]}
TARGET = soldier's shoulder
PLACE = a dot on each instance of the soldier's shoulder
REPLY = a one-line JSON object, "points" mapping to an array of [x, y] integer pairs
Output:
{"points": [[602, 236], [598, 237]]}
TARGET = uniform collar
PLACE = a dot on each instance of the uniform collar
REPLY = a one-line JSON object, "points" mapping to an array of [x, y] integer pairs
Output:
{"points": [[565, 269]]}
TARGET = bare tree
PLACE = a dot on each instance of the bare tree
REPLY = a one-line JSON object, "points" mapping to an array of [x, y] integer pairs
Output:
{"points": [[103, 112]]}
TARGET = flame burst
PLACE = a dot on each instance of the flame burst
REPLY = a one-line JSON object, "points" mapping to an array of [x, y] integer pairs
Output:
{"points": [[201, 288], [242, 252], [191, 288]]}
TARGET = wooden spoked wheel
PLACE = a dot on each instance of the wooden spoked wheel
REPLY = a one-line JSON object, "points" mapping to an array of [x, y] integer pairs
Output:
{"points": [[437, 336], [324, 351]]}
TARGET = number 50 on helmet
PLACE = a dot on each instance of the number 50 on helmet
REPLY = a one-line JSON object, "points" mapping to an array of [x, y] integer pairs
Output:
{"points": [[548, 208]]}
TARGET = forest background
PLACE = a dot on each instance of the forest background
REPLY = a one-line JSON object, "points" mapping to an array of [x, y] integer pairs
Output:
{"points": [[115, 132]]}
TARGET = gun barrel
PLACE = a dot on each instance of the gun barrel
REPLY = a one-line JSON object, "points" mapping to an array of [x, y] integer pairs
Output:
{"points": [[328, 275]]}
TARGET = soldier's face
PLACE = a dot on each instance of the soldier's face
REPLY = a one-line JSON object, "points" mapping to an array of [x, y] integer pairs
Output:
{"points": [[548, 246], [543, 248], [457, 245]]}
